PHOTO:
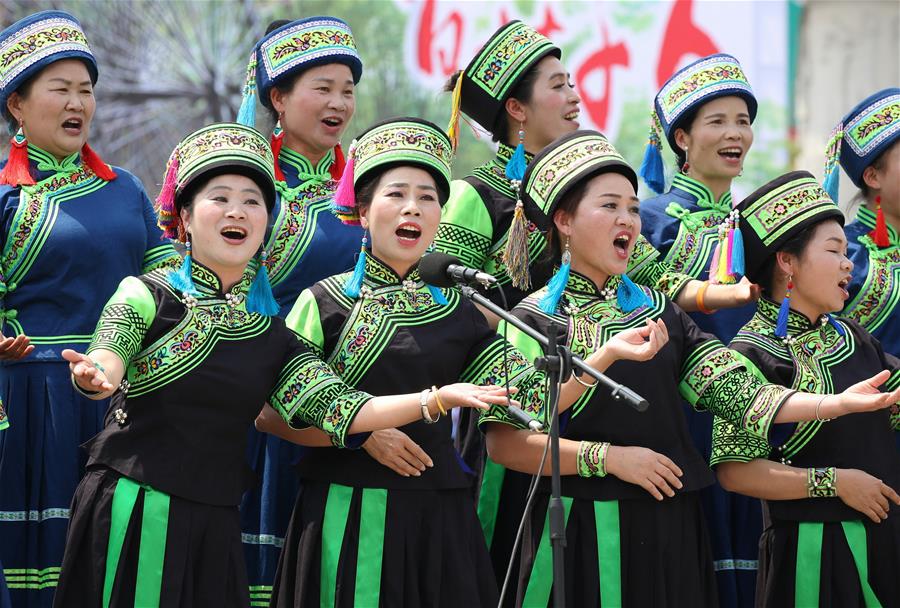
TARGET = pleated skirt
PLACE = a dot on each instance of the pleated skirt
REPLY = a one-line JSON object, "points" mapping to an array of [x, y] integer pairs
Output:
{"points": [[369, 547], [131, 545], [632, 553], [833, 565], [41, 464], [266, 509]]}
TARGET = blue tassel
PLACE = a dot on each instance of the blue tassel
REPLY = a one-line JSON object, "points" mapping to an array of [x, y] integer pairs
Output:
{"points": [[438, 295], [652, 168], [260, 299], [837, 326], [832, 182], [247, 114], [181, 279], [630, 296], [781, 325], [515, 168], [354, 283], [555, 288], [737, 253]]}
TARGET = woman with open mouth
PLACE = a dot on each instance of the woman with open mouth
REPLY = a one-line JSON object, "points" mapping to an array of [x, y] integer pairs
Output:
{"points": [[362, 534], [635, 534], [65, 213], [705, 112], [830, 487], [191, 356], [309, 93]]}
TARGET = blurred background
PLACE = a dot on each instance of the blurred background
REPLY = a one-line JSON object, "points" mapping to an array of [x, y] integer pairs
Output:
{"points": [[169, 67]]}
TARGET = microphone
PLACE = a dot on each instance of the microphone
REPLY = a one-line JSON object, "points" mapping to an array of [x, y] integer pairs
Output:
{"points": [[444, 270], [520, 416]]}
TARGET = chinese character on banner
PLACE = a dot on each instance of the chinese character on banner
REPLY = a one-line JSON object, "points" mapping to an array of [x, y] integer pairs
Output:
{"points": [[430, 37], [682, 37], [604, 60]]}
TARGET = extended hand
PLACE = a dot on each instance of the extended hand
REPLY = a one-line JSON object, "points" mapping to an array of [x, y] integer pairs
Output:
{"points": [[643, 467], [861, 397], [745, 292], [12, 349], [395, 450], [865, 493], [87, 375]]}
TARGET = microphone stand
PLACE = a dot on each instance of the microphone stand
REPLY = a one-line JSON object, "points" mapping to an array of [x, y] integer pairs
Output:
{"points": [[619, 392], [558, 362]]}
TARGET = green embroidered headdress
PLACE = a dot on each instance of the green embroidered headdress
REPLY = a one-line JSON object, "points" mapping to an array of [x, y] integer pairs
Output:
{"points": [[778, 211]]}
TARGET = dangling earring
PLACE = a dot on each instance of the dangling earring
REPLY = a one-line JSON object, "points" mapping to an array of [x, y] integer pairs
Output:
{"points": [[880, 234], [782, 324], [686, 166], [515, 167], [275, 141], [558, 282], [260, 299], [354, 283], [16, 172], [182, 279]]}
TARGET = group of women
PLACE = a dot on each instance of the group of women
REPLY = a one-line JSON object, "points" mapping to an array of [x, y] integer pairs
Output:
{"points": [[298, 304]]}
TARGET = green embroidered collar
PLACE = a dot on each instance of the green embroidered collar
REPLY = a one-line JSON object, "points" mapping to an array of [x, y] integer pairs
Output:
{"points": [[798, 325], [209, 284], [701, 193], [48, 162], [305, 169], [867, 218], [379, 274]]}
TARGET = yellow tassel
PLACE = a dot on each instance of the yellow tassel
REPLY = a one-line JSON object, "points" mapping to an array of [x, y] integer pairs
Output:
{"points": [[515, 255], [453, 127], [722, 276]]}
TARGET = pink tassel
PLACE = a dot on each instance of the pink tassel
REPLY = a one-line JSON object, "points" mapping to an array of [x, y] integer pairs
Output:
{"points": [[728, 267], [165, 202], [714, 264], [96, 164], [344, 196]]}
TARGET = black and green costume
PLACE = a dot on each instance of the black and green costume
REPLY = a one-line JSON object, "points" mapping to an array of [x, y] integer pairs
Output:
{"points": [[155, 520], [361, 534], [624, 547], [819, 551]]}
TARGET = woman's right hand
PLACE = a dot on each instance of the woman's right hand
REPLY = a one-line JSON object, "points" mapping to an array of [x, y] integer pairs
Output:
{"points": [[395, 450], [643, 467], [463, 394], [87, 375], [638, 343], [865, 493], [861, 397], [12, 349]]}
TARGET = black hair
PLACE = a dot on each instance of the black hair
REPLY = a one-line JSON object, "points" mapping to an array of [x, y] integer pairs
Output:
{"points": [[24, 90], [796, 245], [523, 91], [686, 123]]}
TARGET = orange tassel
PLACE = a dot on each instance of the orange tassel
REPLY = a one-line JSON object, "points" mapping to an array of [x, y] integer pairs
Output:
{"points": [[16, 172], [337, 167], [275, 141], [880, 234], [96, 164]]}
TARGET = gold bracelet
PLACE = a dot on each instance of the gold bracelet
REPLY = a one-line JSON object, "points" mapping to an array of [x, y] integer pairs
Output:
{"points": [[582, 382], [437, 397]]}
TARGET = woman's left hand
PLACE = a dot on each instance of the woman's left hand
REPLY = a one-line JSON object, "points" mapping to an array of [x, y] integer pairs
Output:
{"points": [[745, 292], [463, 394], [861, 397], [638, 343], [86, 373]]}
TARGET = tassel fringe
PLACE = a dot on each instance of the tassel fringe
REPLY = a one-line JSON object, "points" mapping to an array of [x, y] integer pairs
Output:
{"points": [[17, 172], [260, 299], [652, 171], [831, 183], [630, 296], [555, 288], [880, 234], [344, 201], [354, 283], [165, 203], [96, 164], [247, 112], [781, 325], [515, 255], [455, 99], [182, 279], [275, 141]]}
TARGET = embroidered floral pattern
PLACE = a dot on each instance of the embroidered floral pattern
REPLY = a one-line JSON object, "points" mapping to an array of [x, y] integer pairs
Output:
{"points": [[505, 57], [207, 145], [36, 42], [699, 81], [873, 125], [781, 209], [305, 42]]}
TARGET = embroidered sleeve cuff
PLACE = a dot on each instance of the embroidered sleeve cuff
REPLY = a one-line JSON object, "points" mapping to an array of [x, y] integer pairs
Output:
{"points": [[466, 230], [309, 393], [731, 444], [671, 283], [124, 320]]}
